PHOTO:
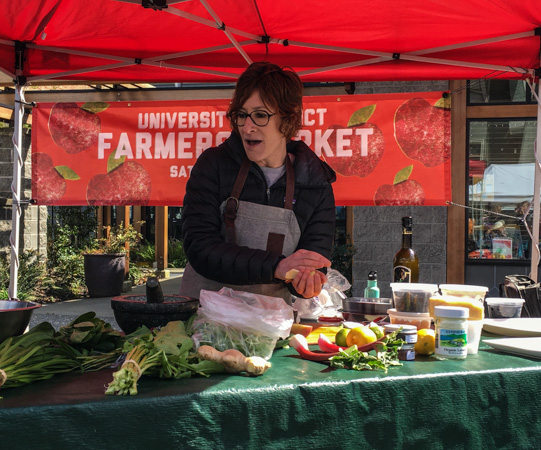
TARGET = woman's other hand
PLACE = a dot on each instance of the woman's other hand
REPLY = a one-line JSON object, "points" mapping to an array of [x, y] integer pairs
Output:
{"points": [[308, 283]]}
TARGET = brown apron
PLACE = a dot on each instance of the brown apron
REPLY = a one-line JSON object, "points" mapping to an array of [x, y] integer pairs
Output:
{"points": [[255, 226]]}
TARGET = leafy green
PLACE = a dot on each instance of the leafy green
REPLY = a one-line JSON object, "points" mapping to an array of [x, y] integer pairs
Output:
{"points": [[386, 355], [223, 337], [165, 352]]}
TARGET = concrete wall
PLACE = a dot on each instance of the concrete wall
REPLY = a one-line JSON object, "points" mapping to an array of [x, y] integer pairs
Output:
{"points": [[33, 223], [377, 230]]}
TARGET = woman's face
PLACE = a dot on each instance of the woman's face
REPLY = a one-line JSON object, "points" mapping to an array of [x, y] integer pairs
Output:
{"points": [[265, 145]]}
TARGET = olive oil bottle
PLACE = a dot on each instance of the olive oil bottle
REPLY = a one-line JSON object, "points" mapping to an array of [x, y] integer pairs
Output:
{"points": [[406, 262]]}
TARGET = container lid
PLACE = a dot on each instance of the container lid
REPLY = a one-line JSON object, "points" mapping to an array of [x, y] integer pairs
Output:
{"points": [[408, 329], [504, 301], [394, 312], [372, 275], [414, 287], [463, 287], [456, 312]]}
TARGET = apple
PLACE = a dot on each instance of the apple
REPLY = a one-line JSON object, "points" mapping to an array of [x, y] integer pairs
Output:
{"points": [[126, 184], [357, 164], [48, 186], [72, 128], [403, 192], [423, 131]]}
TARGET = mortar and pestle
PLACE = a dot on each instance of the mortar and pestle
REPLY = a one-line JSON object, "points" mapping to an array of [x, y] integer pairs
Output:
{"points": [[153, 309]]}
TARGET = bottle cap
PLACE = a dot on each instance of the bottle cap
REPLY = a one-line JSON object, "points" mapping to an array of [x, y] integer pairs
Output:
{"points": [[456, 312], [372, 275], [407, 222]]}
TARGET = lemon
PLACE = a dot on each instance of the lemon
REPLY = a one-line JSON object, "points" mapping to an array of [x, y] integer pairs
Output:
{"points": [[360, 336], [426, 342], [341, 337]]}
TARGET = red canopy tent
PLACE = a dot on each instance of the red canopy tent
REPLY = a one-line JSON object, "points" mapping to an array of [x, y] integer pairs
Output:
{"points": [[214, 40]]}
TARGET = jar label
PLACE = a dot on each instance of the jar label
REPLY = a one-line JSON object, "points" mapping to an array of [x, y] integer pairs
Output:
{"points": [[402, 274], [451, 342]]}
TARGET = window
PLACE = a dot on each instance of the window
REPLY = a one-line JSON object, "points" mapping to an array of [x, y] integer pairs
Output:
{"points": [[482, 92], [501, 179]]}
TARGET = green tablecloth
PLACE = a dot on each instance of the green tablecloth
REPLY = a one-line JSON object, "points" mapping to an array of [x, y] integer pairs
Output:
{"points": [[490, 400]]}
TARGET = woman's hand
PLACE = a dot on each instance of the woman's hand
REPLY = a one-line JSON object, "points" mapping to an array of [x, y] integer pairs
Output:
{"points": [[308, 281]]}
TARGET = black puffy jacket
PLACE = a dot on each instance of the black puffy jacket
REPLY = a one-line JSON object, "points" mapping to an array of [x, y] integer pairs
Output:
{"points": [[210, 183]]}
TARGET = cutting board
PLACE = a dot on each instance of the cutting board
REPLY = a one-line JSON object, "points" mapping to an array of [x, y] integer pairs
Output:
{"points": [[328, 331], [520, 326], [529, 346]]}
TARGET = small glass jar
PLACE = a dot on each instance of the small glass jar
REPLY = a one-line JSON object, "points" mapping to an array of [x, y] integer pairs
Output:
{"points": [[451, 332], [408, 333]]}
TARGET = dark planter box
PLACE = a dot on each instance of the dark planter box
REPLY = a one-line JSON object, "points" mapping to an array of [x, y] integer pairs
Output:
{"points": [[104, 273]]}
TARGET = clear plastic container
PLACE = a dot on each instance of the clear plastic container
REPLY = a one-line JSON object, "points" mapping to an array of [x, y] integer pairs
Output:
{"points": [[419, 320], [412, 297], [504, 308], [451, 332]]}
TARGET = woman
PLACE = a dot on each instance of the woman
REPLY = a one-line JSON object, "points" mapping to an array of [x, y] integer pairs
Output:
{"points": [[260, 204]]}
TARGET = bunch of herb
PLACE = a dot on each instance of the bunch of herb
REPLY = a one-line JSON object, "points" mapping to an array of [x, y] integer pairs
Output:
{"points": [[386, 355], [91, 333], [33, 356], [164, 353]]}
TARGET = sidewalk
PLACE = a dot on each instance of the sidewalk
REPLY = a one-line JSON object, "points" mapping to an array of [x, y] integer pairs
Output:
{"points": [[61, 313]]}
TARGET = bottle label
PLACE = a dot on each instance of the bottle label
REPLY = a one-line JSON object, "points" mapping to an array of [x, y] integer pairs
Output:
{"points": [[451, 342], [402, 274]]}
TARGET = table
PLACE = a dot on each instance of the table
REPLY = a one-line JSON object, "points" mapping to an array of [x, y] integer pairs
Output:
{"points": [[490, 400]]}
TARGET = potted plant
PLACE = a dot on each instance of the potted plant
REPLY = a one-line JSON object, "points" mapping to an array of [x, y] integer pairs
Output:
{"points": [[105, 262]]}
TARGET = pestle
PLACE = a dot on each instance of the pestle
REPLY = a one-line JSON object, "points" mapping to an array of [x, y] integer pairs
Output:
{"points": [[154, 290]]}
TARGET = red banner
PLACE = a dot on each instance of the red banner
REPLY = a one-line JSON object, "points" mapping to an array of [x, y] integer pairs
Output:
{"points": [[390, 149]]}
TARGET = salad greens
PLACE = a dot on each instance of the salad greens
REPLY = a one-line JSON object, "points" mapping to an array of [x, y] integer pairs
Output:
{"points": [[385, 357]]}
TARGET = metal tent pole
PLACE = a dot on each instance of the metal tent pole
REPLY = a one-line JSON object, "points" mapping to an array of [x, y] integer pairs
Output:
{"points": [[537, 186], [16, 191]]}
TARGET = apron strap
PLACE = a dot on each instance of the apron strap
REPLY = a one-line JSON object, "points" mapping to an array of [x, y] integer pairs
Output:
{"points": [[290, 184], [232, 203], [275, 241]]}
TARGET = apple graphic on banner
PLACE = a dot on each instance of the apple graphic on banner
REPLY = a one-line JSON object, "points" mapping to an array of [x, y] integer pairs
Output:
{"points": [[402, 192], [125, 183], [423, 131], [362, 142], [75, 129], [48, 181]]}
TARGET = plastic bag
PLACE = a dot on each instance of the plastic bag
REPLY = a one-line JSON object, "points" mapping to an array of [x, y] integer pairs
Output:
{"points": [[332, 293], [329, 302], [248, 322]]}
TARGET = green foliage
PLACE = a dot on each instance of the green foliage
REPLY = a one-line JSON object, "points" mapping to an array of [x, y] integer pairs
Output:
{"points": [[144, 252], [342, 260], [176, 256], [115, 239], [32, 276], [70, 231]]}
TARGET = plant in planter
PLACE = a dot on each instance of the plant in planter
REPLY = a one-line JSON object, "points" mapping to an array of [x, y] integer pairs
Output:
{"points": [[105, 261]]}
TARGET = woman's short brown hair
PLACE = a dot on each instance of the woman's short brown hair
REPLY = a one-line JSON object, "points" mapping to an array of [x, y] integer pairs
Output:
{"points": [[280, 89]]}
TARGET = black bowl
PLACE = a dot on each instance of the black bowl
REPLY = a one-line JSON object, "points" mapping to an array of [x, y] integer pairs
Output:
{"points": [[15, 317], [133, 311]]}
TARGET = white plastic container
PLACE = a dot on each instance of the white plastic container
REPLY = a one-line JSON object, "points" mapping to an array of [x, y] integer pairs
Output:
{"points": [[504, 307], [464, 290], [475, 327]]}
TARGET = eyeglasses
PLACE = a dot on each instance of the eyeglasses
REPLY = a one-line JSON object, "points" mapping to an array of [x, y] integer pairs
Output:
{"points": [[260, 118]]}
